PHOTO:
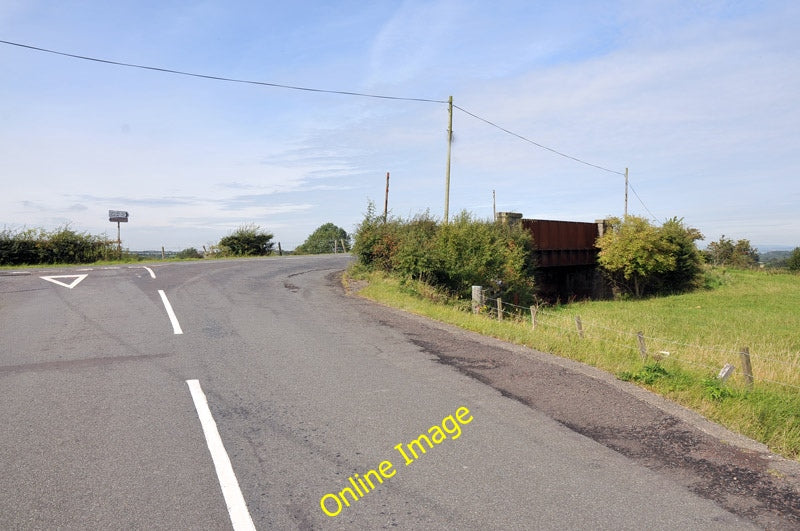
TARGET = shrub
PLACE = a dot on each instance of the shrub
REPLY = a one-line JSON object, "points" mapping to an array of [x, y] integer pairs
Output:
{"points": [[485, 253], [376, 241], [453, 256], [63, 245], [69, 247], [415, 255], [247, 240], [189, 252]]}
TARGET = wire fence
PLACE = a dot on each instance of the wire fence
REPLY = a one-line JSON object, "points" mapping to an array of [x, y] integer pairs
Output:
{"points": [[721, 360]]}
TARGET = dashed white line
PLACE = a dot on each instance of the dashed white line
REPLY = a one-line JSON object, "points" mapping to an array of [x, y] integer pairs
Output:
{"points": [[237, 507], [176, 327]]}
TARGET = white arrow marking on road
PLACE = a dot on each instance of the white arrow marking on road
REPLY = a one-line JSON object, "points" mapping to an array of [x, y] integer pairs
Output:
{"points": [[71, 285]]}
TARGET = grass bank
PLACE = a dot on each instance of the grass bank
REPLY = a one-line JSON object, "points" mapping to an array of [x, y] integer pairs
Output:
{"points": [[688, 339]]}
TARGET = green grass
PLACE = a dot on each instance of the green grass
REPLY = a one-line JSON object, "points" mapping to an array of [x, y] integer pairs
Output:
{"points": [[688, 338]]}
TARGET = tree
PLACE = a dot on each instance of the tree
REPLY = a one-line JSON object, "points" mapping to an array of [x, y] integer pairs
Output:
{"points": [[726, 252], [247, 240], [641, 258], [793, 262], [325, 239]]}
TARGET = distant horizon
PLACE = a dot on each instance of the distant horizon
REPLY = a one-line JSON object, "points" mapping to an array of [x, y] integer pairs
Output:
{"points": [[702, 244]]}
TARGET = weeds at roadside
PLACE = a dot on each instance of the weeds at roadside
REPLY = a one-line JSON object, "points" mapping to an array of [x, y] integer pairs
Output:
{"points": [[649, 374]]}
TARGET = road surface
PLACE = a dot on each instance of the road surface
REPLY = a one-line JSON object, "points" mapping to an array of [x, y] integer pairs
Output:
{"points": [[324, 411]]}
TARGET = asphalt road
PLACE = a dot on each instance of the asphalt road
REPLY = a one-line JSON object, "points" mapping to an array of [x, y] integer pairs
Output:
{"points": [[307, 387]]}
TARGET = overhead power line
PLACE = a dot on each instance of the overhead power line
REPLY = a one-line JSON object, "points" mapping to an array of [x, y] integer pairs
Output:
{"points": [[295, 87], [219, 78], [319, 90], [642, 202], [512, 133]]}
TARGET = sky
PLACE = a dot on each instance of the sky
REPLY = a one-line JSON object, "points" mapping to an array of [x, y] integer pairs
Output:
{"points": [[698, 100]]}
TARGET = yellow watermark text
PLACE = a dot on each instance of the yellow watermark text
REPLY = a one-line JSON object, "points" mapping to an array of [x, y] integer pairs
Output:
{"points": [[359, 486]]}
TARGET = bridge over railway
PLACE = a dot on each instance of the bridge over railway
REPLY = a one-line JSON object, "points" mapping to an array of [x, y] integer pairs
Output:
{"points": [[566, 257]]}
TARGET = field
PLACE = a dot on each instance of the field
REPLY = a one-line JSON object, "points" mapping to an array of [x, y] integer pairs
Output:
{"points": [[687, 340]]}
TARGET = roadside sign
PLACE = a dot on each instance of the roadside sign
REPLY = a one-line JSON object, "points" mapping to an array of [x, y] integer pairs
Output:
{"points": [[118, 216]]}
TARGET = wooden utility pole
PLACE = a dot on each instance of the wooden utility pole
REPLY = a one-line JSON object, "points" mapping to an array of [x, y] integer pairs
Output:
{"points": [[386, 199], [494, 206], [626, 194], [449, 146]]}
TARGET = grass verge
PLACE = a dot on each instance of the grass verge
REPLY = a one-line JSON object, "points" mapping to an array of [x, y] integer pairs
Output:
{"points": [[688, 339]]}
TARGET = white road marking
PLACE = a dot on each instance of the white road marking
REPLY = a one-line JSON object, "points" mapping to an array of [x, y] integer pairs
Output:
{"points": [[152, 275], [176, 327], [71, 285], [237, 507]]}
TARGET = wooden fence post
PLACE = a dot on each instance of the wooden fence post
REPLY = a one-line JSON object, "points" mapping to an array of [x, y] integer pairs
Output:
{"points": [[499, 309], [477, 299], [642, 347], [534, 310], [747, 368], [579, 325]]}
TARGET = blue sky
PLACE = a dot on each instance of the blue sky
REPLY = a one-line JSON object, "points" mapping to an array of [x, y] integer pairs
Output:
{"points": [[698, 99]]}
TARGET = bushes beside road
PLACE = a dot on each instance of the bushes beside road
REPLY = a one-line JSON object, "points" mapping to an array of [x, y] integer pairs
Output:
{"points": [[60, 246], [452, 257]]}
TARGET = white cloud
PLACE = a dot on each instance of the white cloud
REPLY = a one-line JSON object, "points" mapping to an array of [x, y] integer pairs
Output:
{"points": [[698, 100], [410, 41]]}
